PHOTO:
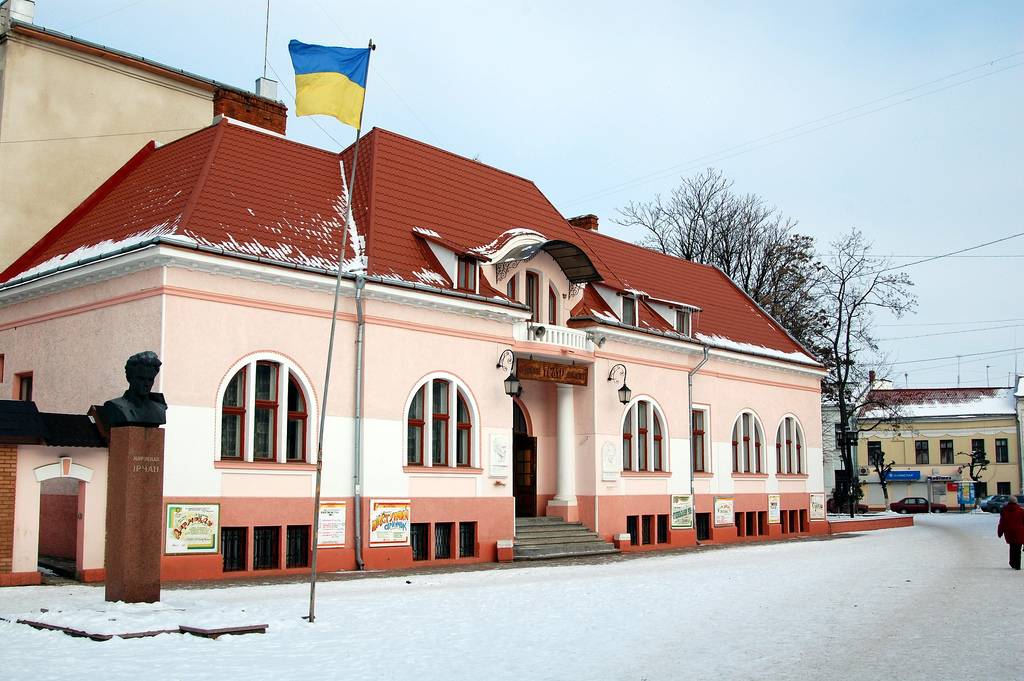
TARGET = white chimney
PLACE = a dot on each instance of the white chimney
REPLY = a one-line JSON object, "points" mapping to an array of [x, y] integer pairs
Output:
{"points": [[23, 10], [266, 88]]}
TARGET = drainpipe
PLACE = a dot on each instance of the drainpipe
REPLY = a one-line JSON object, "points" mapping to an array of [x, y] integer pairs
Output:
{"points": [[357, 463], [689, 413]]}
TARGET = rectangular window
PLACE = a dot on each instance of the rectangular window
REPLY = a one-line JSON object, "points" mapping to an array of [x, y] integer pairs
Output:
{"points": [[467, 275], [233, 549], [552, 307], [1002, 488], [1002, 451], [1, 367], [633, 529], [945, 451], [442, 541], [439, 434], [265, 414], [978, 445], [419, 537], [641, 437], [699, 463], [467, 540], [266, 548], [298, 546], [23, 386], [629, 310], [683, 322], [921, 451], [663, 528], [533, 295], [510, 288]]}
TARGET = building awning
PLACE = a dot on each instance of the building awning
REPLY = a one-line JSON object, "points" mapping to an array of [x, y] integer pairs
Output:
{"points": [[21, 423], [571, 258]]}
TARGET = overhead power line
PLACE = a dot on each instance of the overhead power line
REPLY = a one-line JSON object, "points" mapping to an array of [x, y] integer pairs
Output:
{"points": [[945, 255], [972, 354], [976, 321], [949, 333], [798, 131], [88, 137]]}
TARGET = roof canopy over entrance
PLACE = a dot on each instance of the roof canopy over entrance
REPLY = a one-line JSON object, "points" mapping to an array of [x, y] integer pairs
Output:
{"points": [[571, 258]]}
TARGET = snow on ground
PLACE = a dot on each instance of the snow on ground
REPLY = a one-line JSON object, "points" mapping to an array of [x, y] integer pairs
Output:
{"points": [[936, 601]]}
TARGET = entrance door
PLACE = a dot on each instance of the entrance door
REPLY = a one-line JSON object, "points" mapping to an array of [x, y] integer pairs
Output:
{"points": [[59, 525], [524, 475]]}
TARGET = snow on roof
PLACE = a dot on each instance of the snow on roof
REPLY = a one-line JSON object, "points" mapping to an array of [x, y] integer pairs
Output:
{"points": [[944, 402], [1020, 387], [748, 348]]}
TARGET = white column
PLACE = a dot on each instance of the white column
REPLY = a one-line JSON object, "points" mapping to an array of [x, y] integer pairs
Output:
{"points": [[565, 494]]}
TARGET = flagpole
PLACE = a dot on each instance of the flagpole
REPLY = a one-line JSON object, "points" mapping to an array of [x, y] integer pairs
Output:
{"points": [[330, 355]]}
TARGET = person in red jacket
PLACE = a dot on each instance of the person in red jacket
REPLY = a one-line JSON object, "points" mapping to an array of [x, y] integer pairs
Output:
{"points": [[1011, 528]]}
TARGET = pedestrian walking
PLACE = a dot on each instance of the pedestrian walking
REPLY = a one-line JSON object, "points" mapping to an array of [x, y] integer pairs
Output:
{"points": [[1011, 528]]}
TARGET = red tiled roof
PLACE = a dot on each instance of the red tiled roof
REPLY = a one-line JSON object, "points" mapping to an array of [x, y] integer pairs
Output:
{"points": [[934, 395], [258, 194]]}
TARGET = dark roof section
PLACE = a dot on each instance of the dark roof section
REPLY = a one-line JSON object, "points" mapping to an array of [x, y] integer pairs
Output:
{"points": [[21, 423], [573, 260]]}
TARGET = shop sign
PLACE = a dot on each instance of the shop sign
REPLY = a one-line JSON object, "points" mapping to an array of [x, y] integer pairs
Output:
{"points": [[724, 514], [817, 506], [192, 528], [682, 512], [390, 522], [330, 531], [903, 475], [552, 372], [774, 509]]}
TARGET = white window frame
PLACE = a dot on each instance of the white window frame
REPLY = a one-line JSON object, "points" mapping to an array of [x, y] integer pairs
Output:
{"points": [[632, 414], [687, 322], [799, 446], [457, 386], [635, 321], [286, 368], [738, 436]]}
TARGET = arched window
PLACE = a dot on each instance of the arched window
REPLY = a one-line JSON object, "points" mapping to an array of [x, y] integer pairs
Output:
{"points": [[747, 444], [520, 424], [255, 424], [789, 447], [643, 446], [431, 428]]}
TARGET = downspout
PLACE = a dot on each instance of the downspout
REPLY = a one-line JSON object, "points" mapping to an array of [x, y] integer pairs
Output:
{"points": [[357, 463], [689, 413]]}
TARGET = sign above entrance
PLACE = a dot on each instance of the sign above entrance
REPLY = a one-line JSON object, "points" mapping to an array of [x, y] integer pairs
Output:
{"points": [[552, 372]]}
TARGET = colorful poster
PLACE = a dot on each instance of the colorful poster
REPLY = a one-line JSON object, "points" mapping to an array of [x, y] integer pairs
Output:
{"points": [[331, 526], [682, 512], [774, 509], [817, 507], [192, 528], [390, 522], [724, 514]]}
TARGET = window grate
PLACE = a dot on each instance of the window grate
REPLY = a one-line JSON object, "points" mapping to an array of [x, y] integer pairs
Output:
{"points": [[663, 528], [442, 541], [703, 526], [419, 536], [266, 548], [298, 546], [232, 543], [632, 527], [467, 540], [645, 529]]}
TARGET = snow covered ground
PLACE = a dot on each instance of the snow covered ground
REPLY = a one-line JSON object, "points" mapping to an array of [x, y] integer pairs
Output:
{"points": [[936, 601]]}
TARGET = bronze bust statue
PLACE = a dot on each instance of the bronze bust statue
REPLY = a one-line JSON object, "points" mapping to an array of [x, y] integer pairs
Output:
{"points": [[138, 406]]}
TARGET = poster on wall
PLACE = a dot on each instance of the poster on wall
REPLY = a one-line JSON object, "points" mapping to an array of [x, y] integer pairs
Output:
{"points": [[724, 511], [682, 512], [817, 506], [330, 531], [389, 522], [192, 528], [774, 509]]}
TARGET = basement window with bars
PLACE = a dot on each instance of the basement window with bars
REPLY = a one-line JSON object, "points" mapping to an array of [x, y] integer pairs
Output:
{"points": [[266, 550], [467, 540], [419, 537], [442, 541], [298, 546], [233, 548]]}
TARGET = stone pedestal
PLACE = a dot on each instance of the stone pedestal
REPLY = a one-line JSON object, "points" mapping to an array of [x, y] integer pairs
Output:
{"points": [[135, 523]]}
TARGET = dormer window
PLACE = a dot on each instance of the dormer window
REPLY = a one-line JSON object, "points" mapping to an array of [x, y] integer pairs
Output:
{"points": [[684, 320], [510, 288], [552, 306], [467, 275], [533, 295], [629, 309]]}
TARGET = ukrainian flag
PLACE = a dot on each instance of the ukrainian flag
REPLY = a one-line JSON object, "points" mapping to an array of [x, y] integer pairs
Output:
{"points": [[330, 81]]}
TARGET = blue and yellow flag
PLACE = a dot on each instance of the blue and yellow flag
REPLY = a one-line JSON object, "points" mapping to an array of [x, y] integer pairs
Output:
{"points": [[330, 81]]}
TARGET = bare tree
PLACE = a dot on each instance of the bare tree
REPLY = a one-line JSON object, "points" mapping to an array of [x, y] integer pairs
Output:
{"points": [[752, 242], [852, 286]]}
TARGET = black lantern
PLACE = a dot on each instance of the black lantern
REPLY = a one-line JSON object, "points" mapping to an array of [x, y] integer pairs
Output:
{"points": [[625, 394], [513, 388], [507, 361]]}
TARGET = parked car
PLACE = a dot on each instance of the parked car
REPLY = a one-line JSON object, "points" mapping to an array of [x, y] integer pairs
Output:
{"points": [[982, 502], [830, 506], [995, 503], [916, 505]]}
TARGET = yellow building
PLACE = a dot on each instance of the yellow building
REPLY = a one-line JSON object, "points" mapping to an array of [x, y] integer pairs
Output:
{"points": [[931, 440], [73, 112]]}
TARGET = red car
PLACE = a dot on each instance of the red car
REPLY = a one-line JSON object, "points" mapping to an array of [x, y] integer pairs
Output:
{"points": [[916, 505]]}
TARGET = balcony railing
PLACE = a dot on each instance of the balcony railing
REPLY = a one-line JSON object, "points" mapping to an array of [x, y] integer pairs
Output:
{"points": [[550, 334]]}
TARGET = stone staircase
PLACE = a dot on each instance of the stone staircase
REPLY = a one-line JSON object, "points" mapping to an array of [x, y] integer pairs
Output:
{"points": [[541, 538]]}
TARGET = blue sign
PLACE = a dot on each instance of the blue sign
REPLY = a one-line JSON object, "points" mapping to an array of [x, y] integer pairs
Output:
{"points": [[965, 494], [903, 475]]}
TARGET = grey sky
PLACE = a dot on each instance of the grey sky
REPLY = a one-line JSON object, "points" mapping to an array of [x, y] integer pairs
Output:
{"points": [[585, 97]]}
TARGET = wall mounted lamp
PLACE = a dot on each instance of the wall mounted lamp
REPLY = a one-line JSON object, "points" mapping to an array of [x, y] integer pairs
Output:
{"points": [[625, 394], [507, 361]]}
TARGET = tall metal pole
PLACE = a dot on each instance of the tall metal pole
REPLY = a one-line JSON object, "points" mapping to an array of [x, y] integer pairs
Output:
{"points": [[350, 188], [266, 41]]}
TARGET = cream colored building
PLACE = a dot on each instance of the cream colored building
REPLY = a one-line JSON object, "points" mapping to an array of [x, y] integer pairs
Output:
{"points": [[73, 112], [931, 444]]}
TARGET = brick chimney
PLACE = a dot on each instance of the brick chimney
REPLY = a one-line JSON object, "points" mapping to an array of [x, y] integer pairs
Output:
{"points": [[588, 221], [249, 108]]}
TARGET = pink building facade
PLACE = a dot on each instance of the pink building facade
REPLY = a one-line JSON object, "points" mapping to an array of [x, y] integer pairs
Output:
{"points": [[217, 251]]}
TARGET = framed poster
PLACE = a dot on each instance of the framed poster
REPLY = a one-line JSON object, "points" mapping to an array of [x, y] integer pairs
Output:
{"points": [[682, 512], [724, 511], [390, 522], [774, 509], [192, 528], [817, 506], [331, 524]]}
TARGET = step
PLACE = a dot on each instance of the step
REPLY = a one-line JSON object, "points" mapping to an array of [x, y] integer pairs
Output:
{"points": [[567, 530], [588, 538], [564, 551], [540, 520]]}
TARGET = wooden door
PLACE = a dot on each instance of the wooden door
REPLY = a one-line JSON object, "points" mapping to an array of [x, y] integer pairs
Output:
{"points": [[524, 475]]}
